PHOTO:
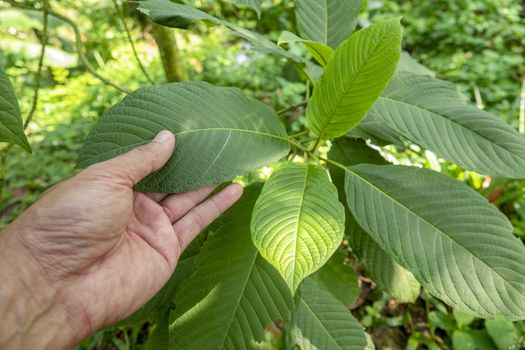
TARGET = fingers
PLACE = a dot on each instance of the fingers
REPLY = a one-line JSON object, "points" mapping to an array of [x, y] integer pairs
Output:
{"points": [[204, 214], [177, 205], [138, 163]]}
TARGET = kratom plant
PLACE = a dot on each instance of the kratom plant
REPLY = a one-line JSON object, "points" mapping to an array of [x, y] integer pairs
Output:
{"points": [[277, 255]]}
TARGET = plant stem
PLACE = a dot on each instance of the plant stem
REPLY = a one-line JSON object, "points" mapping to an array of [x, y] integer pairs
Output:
{"points": [[292, 107], [38, 75], [301, 133], [169, 53], [78, 44], [130, 39]]}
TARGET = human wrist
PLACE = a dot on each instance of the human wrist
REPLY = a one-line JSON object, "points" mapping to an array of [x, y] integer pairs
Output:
{"points": [[32, 313]]}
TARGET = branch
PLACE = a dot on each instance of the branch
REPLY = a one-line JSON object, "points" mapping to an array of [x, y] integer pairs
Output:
{"points": [[78, 44], [128, 34], [292, 107], [38, 76]]}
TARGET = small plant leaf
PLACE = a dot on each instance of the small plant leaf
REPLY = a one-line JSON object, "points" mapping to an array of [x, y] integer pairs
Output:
{"points": [[256, 5], [433, 114], [298, 222], [235, 293], [321, 53], [443, 232], [354, 78], [11, 127], [319, 321], [327, 22], [220, 134]]}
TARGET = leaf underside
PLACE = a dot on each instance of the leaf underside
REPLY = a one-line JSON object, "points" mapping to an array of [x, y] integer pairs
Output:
{"points": [[328, 22], [11, 128], [235, 293], [457, 245], [319, 321], [220, 134], [298, 222], [433, 114]]}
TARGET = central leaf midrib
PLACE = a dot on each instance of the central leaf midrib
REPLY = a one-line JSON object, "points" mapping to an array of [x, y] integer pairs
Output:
{"points": [[432, 225], [299, 214]]}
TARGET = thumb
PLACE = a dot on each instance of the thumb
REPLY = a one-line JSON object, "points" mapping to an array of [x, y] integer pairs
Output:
{"points": [[138, 163]]}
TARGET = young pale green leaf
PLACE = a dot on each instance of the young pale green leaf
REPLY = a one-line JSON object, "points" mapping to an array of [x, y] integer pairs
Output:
{"points": [[385, 272], [328, 22], [11, 127], [354, 78], [220, 134], [433, 114], [235, 293], [298, 222], [175, 15], [319, 321], [338, 279], [456, 244], [321, 53]]}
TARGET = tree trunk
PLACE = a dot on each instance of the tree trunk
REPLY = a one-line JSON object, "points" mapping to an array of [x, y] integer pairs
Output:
{"points": [[169, 53]]}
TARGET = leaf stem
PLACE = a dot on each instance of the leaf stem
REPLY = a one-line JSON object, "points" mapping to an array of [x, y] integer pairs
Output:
{"points": [[38, 75], [301, 133], [130, 39]]}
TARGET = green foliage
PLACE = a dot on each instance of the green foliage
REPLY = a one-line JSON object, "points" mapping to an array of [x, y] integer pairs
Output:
{"points": [[353, 79], [319, 321], [217, 134], [297, 223], [328, 22], [11, 128]]}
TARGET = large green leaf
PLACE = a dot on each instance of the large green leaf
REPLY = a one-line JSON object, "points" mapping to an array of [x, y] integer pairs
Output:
{"points": [[320, 322], [328, 22], [11, 128], [175, 15], [408, 64], [456, 244], [235, 293], [385, 272], [338, 279], [354, 78], [220, 134], [298, 222], [432, 113]]}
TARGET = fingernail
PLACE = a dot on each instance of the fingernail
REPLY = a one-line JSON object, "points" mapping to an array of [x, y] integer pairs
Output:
{"points": [[163, 136]]}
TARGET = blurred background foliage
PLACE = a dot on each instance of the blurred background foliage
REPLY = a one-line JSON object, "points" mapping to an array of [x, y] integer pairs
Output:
{"points": [[477, 44]]}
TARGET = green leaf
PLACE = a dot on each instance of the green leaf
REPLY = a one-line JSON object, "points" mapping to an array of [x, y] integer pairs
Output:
{"points": [[319, 321], [254, 4], [338, 279], [298, 222], [11, 127], [457, 245], [385, 272], [328, 22], [220, 134], [503, 333], [321, 53], [463, 340], [235, 293], [354, 78], [408, 64], [432, 113], [174, 15]]}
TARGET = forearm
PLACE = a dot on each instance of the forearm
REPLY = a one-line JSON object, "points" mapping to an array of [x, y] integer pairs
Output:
{"points": [[31, 314]]}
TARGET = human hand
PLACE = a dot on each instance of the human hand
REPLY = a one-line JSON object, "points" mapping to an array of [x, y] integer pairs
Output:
{"points": [[91, 250]]}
